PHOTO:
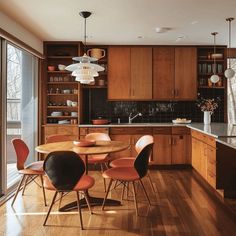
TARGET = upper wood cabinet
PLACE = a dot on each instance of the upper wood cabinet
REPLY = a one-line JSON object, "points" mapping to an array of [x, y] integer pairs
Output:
{"points": [[129, 73], [174, 73], [163, 73], [185, 73], [118, 73]]}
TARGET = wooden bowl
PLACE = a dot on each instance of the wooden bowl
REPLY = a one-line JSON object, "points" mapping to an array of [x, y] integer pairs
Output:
{"points": [[84, 143]]}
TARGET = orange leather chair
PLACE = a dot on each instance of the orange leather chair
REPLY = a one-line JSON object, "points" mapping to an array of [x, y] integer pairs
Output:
{"points": [[129, 161], [101, 159], [65, 173], [130, 174], [33, 169]]}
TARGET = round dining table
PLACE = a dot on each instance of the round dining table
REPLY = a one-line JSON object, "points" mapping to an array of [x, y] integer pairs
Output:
{"points": [[100, 147]]}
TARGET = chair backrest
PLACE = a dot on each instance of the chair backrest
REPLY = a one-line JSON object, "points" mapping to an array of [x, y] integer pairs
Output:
{"points": [[98, 137], [64, 169], [141, 161], [22, 152], [57, 138], [143, 141]]}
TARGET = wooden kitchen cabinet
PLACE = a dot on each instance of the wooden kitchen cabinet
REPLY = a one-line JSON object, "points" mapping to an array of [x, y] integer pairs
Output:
{"points": [[171, 145], [185, 73], [163, 73], [174, 73], [130, 73], [129, 135]]}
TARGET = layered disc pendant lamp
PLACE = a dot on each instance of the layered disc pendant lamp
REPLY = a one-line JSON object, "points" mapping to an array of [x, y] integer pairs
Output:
{"points": [[229, 72], [85, 70], [214, 78]]}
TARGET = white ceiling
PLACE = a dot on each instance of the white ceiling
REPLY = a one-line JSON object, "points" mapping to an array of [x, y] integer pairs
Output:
{"points": [[122, 21]]}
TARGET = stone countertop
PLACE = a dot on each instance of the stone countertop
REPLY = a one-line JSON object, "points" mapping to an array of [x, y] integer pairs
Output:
{"points": [[130, 125], [228, 141], [216, 130]]}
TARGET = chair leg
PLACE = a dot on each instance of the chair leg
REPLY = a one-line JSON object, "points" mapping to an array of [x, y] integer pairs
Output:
{"points": [[150, 180], [135, 199], [26, 180], [145, 192], [104, 180], [18, 189], [108, 190], [123, 191], [60, 199], [50, 208], [79, 209], [44, 195], [86, 196]]}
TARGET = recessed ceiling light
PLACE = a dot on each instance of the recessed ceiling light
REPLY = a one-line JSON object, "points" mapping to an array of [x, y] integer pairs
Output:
{"points": [[194, 22], [162, 29], [140, 37]]}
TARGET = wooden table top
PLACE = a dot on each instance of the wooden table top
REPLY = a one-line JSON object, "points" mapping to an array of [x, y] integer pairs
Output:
{"points": [[100, 147]]}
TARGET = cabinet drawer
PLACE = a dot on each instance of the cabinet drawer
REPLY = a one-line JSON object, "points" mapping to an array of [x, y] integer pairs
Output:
{"points": [[204, 138], [71, 130], [211, 179], [162, 130], [84, 131], [180, 130], [136, 130]]}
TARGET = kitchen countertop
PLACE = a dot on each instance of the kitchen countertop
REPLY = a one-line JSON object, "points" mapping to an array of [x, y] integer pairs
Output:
{"points": [[228, 141]]}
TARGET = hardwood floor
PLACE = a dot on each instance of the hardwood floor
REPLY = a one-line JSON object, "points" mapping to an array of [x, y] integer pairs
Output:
{"points": [[181, 206]]}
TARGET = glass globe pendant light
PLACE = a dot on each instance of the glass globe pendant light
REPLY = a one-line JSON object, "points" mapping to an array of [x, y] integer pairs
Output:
{"points": [[229, 72], [84, 71], [214, 78]]}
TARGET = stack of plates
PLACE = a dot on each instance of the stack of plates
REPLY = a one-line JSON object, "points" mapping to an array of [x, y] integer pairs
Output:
{"points": [[56, 113]]}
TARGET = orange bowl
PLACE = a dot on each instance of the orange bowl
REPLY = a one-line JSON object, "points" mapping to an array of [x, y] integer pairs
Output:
{"points": [[100, 121], [84, 143], [51, 68]]}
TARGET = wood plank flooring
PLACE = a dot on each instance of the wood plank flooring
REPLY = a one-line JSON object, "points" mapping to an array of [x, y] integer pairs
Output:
{"points": [[181, 206]]}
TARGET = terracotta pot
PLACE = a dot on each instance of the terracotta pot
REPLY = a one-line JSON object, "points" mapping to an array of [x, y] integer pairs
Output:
{"points": [[100, 122]]}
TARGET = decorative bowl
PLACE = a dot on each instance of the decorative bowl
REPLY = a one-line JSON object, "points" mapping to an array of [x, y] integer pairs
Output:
{"points": [[51, 68], [61, 67], [84, 143]]}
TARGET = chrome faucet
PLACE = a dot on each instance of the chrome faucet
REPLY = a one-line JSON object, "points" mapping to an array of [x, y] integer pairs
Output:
{"points": [[131, 118]]}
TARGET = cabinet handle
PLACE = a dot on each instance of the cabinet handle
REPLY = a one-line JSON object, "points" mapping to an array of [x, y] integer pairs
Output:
{"points": [[170, 141], [176, 92]]}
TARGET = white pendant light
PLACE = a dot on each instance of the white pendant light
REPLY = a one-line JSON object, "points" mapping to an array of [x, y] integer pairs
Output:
{"points": [[229, 72], [214, 78], [84, 71]]}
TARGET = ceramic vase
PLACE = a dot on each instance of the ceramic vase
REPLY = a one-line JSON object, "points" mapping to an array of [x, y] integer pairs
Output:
{"points": [[207, 117]]}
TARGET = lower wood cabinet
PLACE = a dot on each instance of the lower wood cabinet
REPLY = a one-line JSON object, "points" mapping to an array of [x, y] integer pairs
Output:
{"points": [[171, 145], [204, 156], [72, 131]]}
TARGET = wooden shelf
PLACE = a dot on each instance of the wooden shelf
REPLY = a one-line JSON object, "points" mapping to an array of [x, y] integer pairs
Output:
{"points": [[56, 124], [59, 72], [62, 107], [62, 94], [72, 117], [60, 57], [210, 74], [213, 87], [64, 82], [93, 87], [210, 60]]}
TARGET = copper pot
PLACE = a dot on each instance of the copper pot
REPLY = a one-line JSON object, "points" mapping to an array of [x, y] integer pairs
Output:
{"points": [[100, 121]]}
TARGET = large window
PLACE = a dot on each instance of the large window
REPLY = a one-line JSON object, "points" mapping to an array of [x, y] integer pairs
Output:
{"points": [[19, 103]]}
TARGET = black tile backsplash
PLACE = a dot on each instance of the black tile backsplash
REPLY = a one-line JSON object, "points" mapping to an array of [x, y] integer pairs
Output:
{"points": [[96, 105]]}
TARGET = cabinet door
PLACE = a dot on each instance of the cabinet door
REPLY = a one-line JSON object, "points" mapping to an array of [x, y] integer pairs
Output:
{"points": [[196, 153], [162, 149], [141, 73], [124, 138], [203, 159], [163, 73], [185, 73], [180, 149], [119, 73]]}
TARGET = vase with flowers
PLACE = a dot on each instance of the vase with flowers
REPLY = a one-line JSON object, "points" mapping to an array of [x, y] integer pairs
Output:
{"points": [[208, 106]]}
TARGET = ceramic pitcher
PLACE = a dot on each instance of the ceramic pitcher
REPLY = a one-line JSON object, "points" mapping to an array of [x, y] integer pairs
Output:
{"points": [[96, 52]]}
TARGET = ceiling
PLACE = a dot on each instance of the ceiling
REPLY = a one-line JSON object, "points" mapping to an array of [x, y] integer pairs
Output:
{"points": [[126, 21]]}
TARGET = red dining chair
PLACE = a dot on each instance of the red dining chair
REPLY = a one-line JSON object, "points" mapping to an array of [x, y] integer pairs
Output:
{"points": [[57, 138], [131, 174], [129, 161], [29, 171], [65, 173], [101, 159]]}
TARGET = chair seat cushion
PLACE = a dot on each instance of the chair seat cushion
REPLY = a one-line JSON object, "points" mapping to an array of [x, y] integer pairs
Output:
{"points": [[84, 183], [34, 168], [121, 173], [123, 162]]}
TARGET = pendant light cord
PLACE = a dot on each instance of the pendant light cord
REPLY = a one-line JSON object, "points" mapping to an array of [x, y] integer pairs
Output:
{"points": [[228, 49], [85, 35], [214, 58]]}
